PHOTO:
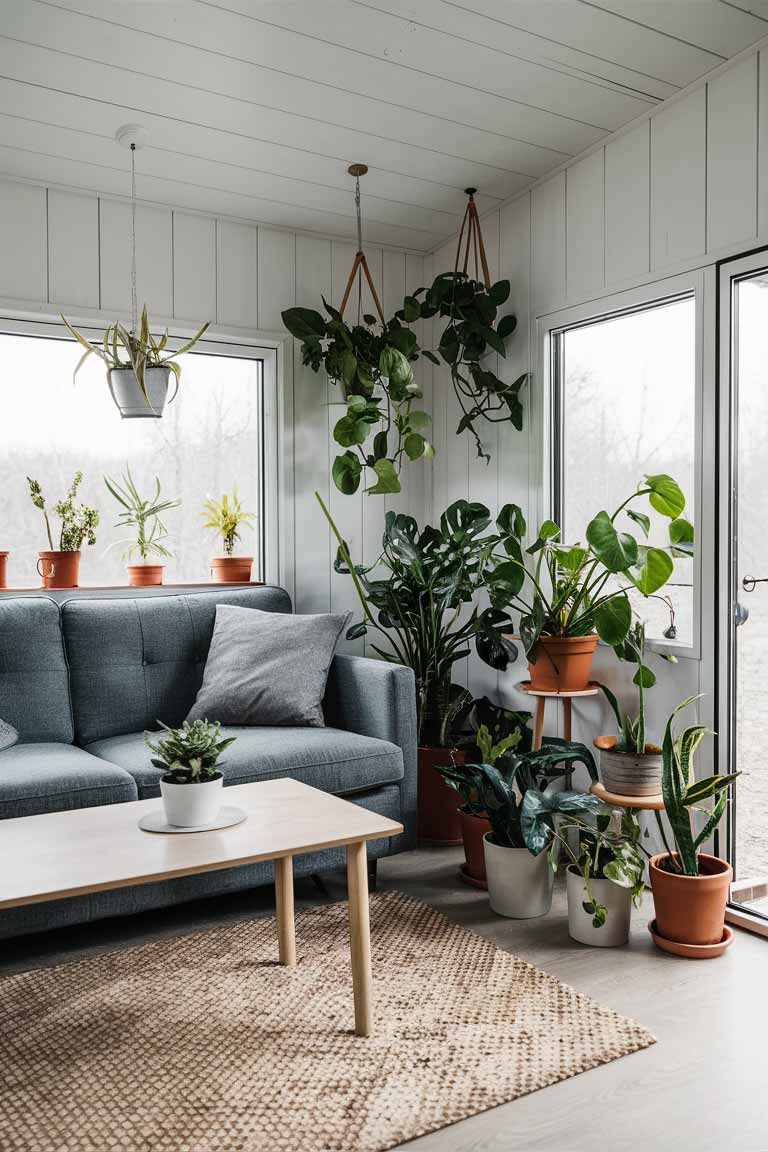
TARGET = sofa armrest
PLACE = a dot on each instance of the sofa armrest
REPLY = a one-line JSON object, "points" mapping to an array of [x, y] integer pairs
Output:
{"points": [[375, 698]]}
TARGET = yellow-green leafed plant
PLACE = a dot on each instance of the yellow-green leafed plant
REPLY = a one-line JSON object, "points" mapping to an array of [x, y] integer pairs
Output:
{"points": [[123, 349], [225, 516]]}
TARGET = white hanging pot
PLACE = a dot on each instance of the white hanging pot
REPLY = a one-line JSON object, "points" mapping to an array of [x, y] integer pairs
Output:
{"points": [[191, 805], [618, 901], [128, 396], [519, 884]]}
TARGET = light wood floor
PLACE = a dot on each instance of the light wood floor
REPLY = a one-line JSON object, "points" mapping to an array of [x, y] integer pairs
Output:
{"points": [[702, 1087]]}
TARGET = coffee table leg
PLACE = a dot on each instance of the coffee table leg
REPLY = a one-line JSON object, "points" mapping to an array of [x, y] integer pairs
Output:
{"points": [[286, 930], [360, 936]]}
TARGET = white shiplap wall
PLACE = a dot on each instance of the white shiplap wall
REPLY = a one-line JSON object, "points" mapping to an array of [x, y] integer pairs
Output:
{"points": [[678, 190], [69, 251]]}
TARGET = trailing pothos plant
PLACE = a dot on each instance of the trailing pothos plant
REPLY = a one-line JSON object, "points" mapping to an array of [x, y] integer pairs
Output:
{"points": [[608, 849], [371, 362], [471, 333], [419, 601], [576, 590]]}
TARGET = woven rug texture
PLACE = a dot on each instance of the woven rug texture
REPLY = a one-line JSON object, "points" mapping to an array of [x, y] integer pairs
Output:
{"points": [[202, 1043]]}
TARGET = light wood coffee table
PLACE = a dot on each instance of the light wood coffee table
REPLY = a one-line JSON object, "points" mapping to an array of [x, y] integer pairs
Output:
{"points": [[73, 853]]}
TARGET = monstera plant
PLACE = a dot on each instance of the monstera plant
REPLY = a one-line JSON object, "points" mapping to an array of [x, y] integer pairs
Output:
{"points": [[470, 335], [371, 363]]}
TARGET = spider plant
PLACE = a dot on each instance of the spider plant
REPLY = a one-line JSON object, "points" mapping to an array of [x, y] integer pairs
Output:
{"points": [[141, 514]]}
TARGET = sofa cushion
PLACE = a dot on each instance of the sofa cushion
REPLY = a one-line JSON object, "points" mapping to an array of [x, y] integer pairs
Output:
{"points": [[134, 662], [37, 778], [327, 758], [34, 685]]}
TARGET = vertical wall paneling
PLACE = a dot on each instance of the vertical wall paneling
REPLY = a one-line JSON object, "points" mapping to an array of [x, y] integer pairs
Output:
{"points": [[154, 259], [678, 180], [276, 279], [194, 267], [23, 245], [585, 226], [236, 274], [548, 244], [627, 205], [310, 441], [762, 143], [73, 249], [732, 155]]}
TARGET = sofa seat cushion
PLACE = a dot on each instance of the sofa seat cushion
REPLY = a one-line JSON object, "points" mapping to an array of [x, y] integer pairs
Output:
{"points": [[37, 778], [326, 758]]}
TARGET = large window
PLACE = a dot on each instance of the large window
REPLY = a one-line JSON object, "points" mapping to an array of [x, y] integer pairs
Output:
{"points": [[210, 439], [625, 403]]}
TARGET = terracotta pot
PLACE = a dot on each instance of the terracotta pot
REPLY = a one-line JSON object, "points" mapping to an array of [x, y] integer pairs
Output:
{"points": [[3, 569], [626, 773], [438, 817], [691, 909], [230, 569], [59, 569], [563, 663], [144, 575], [473, 829]]}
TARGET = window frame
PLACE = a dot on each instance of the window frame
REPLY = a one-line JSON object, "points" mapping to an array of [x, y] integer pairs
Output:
{"points": [[272, 561], [547, 465]]}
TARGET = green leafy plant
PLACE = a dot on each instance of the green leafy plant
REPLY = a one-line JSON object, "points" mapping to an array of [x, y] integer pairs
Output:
{"points": [[575, 590], [421, 603], [481, 712], [461, 777], [78, 521], [684, 794], [225, 516], [372, 364], [189, 754], [122, 348], [470, 335], [515, 793], [141, 514], [610, 849], [631, 737]]}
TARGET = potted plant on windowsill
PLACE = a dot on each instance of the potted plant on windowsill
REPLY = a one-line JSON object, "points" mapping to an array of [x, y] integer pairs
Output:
{"points": [[143, 516], [226, 516], [569, 596], [520, 860], [690, 887], [191, 783], [138, 366], [418, 598], [4, 569], [60, 567]]}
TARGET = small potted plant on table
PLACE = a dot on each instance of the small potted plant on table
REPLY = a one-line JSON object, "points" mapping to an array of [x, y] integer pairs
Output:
{"points": [[605, 876], [142, 515], [690, 887], [226, 516], [520, 860], [191, 783], [60, 567]]}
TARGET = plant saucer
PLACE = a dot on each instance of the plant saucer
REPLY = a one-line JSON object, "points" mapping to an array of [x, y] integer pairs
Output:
{"points": [[227, 818], [473, 881], [691, 951]]}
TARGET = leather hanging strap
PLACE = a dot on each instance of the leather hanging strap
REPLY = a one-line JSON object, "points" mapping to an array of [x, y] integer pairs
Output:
{"points": [[471, 237], [360, 264]]}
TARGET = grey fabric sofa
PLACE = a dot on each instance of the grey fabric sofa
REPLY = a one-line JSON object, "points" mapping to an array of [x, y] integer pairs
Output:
{"points": [[82, 677]]}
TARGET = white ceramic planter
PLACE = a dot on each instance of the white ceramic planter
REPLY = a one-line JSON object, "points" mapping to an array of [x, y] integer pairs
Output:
{"points": [[129, 397], [191, 805], [618, 901], [519, 884], [628, 774]]}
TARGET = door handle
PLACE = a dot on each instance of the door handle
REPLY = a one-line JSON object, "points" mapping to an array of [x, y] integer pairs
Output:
{"points": [[748, 582]]}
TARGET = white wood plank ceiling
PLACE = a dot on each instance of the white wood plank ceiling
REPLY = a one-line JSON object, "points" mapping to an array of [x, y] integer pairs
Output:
{"points": [[254, 108]]}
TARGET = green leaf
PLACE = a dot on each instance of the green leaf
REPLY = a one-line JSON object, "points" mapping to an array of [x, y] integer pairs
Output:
{"points": [[380, 445], [414, 445], [387, 478], [654, 573], [304, 323], [665, 495], [681, 536], [613, 619], [417, 420], [617, 551], [641, 519], [449, 345], [349, 430], [498, 293], [431, 357], [411, 309], [506, 326], [346, 473], [644, 676]]}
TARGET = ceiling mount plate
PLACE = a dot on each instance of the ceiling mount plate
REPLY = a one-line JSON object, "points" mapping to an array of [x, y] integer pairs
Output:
{"points": [[357, 169], [131, 136]]}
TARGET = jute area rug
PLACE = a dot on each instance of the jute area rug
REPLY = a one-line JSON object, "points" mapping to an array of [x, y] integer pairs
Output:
{"points": [[202, 1043]]}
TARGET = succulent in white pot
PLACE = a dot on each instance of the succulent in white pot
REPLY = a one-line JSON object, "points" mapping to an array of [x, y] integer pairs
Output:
{"points": [[191, 783]]}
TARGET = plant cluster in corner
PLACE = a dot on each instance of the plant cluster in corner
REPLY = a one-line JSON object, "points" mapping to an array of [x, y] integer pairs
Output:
{"points": [[471, 333], [189, 754], [78, 521], [371, 363], [142, 514], [226, 516]]}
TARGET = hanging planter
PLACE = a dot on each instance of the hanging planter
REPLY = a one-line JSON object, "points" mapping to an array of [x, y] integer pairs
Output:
{"points": [[135, 402]]}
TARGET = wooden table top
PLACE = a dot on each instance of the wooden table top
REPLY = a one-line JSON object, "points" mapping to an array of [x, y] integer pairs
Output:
{"points": [[71, 853]]}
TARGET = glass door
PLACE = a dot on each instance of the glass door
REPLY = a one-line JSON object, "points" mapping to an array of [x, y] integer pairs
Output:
{"points": [[743, 664]]}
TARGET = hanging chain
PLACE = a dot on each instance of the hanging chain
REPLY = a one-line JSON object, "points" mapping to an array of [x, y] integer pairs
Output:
{"points": [[359, 215], [134, 297]]}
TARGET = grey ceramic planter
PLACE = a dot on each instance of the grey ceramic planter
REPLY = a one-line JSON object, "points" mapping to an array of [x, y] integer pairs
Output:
{"points": [[626, 773], [129, 397]]}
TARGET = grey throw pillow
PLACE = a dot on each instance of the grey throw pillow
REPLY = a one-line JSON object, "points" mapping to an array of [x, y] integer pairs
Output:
{"points": [[8, 735], [267, 668]]}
